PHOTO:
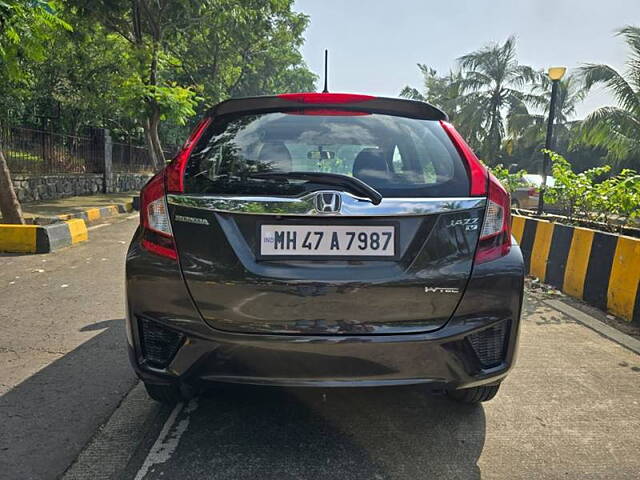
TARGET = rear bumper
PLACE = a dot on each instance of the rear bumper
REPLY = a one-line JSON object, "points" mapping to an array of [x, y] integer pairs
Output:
{"points": [[443, 358]]}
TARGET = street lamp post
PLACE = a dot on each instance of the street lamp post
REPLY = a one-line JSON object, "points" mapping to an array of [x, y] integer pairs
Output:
{"points": [[555, 74]]}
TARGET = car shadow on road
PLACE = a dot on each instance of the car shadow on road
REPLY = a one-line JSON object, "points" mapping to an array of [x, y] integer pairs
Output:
{"points": [[46, 420], [372, 433]]}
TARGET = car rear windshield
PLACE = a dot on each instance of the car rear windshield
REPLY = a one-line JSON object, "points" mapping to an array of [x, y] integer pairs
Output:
{"points": [[399, 157]]}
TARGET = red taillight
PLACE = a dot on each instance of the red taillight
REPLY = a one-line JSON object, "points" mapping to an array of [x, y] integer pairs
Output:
{"points": [[478, 174], [175, 169], [495, 236], [157, 236], [325, 97]]}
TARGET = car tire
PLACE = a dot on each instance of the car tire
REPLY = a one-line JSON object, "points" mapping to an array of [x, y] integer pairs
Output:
{"points": [[474, 395], [168, 394]]}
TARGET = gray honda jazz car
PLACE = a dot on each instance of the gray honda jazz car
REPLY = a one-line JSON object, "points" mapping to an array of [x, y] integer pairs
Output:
{"points": [[324, 240]]}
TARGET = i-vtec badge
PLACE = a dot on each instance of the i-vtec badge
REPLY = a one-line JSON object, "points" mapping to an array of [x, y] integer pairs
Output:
{"points": [[197, 220], [441, 290]]}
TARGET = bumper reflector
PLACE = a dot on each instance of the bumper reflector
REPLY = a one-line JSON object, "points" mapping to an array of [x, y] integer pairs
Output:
{"points": [[159, 344], [489, 344]]}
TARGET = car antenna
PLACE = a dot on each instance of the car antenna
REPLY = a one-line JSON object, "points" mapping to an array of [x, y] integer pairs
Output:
{"points": [[326, 61]]}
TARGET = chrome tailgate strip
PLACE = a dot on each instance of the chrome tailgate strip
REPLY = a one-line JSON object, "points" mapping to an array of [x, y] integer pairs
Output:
{"points": [[349, 205]]}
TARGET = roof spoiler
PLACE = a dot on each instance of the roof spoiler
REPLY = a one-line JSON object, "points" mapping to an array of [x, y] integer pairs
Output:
{"points": [[328, 101]]}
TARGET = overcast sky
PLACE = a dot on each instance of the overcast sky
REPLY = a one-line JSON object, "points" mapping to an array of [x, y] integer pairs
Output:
{"points": [[374, 45]]}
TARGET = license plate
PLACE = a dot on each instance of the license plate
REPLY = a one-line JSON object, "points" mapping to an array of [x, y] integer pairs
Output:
{"points": [[328, 240]]}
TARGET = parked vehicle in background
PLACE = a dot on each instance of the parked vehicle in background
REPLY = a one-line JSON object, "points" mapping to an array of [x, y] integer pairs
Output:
{"points": [[324, 240], [527, 196]]}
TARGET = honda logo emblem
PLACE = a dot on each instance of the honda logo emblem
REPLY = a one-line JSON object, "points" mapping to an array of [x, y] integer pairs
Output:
{"points": [[328, 202]]}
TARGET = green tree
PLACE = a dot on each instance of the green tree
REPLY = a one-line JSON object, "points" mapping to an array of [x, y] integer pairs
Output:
{"points": [[445, 92], [25, 27], [150, 28], [441, 91], [245, 48], [179, 57], [617, 128], [493, 86], [527, 130]]}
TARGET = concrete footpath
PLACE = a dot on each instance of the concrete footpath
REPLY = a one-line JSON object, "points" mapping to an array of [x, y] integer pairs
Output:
{"points": [[570, 409], [70, 205], [56, 224]]}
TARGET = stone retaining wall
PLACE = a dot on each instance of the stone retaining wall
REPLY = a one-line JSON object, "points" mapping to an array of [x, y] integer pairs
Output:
{"points": [[32, 188]]}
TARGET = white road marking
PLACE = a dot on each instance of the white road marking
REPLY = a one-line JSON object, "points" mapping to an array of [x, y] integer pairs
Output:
{"points": [[95, 227], [167, 442]]}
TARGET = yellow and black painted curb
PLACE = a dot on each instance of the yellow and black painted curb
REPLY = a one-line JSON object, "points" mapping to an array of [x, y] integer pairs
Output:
{"points": [[42, 238], [600, 268], [89, 215]]}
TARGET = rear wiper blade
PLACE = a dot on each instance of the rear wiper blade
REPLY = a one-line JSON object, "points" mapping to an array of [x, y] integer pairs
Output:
{"points": [[352, 184]]}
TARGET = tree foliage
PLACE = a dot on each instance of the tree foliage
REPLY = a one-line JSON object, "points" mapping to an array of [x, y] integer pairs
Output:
{"points": [[488, 86], [25, 27], [509, 180], [146, 68], [617, 128], [501, 107]]}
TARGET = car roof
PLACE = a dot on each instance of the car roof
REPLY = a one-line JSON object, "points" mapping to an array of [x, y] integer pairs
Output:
{"points": [[329, 101]]}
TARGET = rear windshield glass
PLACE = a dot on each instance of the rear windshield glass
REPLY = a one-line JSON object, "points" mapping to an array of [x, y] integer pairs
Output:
{"points": [[399, 157]]}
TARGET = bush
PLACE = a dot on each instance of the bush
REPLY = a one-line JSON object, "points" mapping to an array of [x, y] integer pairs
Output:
{"points": [[614, 201], [510, 181]]}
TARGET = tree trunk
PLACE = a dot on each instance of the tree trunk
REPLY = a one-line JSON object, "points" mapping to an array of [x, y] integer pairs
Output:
{"points": [[153, 140], [154, 123], [9, 204], [150, 147], [153, 120]]}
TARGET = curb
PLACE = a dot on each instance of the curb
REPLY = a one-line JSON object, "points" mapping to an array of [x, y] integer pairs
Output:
{"points": [[89, 215], [600, 268], [42, 238]]}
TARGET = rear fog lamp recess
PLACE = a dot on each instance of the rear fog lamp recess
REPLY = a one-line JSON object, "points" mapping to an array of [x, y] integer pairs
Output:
{"points": [[159, 344], [489, 344]]}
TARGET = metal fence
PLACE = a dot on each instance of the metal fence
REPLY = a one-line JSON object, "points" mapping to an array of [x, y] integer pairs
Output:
{"points": [[128, 158], [40, 152]]}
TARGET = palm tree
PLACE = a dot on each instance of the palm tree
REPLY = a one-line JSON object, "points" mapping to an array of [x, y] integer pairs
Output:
{"points": [[444, 92], [617, 128], [491, 86], [527, 130], [441, 91]]}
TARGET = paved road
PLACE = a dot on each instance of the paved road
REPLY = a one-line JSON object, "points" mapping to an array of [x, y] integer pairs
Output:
{"points": [[571, 408], [63, 365]]}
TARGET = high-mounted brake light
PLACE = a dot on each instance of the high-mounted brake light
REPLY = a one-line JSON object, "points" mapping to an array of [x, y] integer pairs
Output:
{"points": [[325, 97], [478, 174], [175, 169], [495, 236], [329, 112]]}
